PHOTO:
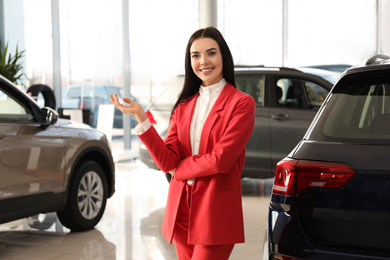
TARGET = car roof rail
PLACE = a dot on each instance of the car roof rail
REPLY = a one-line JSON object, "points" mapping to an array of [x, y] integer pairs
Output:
{"points": [[377, 58], [248, 66]]}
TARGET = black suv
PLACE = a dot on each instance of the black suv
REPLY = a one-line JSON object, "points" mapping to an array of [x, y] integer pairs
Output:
{"points": [[331, 194], [286, 102]]}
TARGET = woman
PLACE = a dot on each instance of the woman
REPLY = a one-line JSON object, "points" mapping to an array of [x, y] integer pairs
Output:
{"points": [[204, 150]]}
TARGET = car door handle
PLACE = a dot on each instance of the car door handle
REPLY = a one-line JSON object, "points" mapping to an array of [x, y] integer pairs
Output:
{"points": [[280, 117]]}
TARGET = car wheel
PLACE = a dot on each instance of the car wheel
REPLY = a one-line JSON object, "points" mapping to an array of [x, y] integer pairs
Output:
{"points": [[168, 176], [46, 91], [87, 198]]}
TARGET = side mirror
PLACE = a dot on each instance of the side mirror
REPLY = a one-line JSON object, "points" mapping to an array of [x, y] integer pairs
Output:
{"points": [[49, 116]]}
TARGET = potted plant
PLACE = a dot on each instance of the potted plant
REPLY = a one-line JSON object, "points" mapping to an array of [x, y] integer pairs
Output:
{"points": [[11, 68]]}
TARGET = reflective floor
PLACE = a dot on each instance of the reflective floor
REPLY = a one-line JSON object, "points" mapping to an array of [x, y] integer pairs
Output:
{"points": [[130, 227]]}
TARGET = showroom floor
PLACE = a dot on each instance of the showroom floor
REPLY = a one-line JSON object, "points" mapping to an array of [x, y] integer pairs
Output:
{"points": [[130, 227]]}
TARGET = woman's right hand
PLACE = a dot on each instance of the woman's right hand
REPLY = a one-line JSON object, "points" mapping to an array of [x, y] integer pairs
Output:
{"points": [[133, 108]]}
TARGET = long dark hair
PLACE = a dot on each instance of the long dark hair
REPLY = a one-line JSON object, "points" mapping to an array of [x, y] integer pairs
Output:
{"points": [[191, 81]]}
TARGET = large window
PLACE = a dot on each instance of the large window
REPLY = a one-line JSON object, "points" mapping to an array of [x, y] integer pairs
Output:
{"points": [[313, 32], [38, 42], [91, 41], [253, 30], [331, 31]]}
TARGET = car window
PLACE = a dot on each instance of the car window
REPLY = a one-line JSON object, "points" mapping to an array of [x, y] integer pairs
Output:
{"points": [[252, 85], [114, 89], [86, 92], [12, 111], [358, 111], [297, 93], [315, 93]]}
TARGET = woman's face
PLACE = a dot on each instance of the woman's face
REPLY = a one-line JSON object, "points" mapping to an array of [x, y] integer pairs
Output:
{"points": [[206, 61]]}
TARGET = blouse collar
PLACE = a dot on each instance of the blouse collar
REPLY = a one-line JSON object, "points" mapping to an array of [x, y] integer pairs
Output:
{"points": [[212, 90]]}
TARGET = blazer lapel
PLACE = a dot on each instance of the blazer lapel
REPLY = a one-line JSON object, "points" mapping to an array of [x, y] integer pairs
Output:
{"points": [[213, 116], [186, 124]]}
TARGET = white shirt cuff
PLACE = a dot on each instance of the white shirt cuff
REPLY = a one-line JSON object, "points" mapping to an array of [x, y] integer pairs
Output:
{"points": [[142, 128]]}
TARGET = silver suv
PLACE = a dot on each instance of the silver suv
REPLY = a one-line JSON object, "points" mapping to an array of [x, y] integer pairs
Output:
{"points": [[286, 102], [49, 164]]}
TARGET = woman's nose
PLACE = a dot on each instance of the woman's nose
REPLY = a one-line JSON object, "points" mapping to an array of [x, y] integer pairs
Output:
{"points": [[204, 60]]}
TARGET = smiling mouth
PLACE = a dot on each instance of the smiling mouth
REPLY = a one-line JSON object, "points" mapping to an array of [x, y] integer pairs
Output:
{"points": [[206, 70]]}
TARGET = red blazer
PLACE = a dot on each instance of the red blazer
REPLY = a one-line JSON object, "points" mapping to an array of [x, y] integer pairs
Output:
{"points": [[216, 208]]}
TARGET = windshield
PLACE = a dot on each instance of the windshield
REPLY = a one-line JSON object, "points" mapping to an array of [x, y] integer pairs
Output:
{"points": [[89, 91], [330, 76]]}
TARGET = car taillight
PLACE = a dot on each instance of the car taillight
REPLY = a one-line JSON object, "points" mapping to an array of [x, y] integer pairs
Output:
{"points": [[284, 180], [82, 106], [150, 117], [294, 176]]}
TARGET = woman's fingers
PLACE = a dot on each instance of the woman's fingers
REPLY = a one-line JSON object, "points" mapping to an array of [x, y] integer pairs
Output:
{"points": [[130, 108], [114, 100], [133, 108], [127, 100]]}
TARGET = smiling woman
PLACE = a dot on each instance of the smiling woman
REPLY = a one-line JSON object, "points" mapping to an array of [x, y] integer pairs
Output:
{"points": [[201, 151]]}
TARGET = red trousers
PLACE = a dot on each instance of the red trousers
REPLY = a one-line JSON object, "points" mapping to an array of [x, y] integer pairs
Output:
{"points": [[186, 251]]}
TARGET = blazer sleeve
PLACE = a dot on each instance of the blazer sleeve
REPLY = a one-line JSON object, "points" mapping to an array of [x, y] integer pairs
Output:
{"points": [[166, 154], [227, 150]]}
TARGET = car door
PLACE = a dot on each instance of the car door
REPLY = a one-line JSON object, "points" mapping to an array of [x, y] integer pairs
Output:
{"points": [[258, 148], [297, 102], [31, 157]]}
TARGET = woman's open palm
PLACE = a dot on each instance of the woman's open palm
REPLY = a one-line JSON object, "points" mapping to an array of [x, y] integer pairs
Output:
{"points": [[132, 108]]}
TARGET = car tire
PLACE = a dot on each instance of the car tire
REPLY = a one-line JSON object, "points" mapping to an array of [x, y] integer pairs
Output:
{"points": [[87, 197], [47, 92]]}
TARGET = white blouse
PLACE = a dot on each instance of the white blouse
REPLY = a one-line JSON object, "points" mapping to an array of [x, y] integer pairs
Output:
{"points": [[204, 103]]}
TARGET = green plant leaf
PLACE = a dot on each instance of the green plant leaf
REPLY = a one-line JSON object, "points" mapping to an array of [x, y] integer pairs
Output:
{"points": [[11, 68]]}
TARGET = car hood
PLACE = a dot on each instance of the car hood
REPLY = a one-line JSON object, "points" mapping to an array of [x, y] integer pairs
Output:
{"points": [[73, 128], [72, 124]]}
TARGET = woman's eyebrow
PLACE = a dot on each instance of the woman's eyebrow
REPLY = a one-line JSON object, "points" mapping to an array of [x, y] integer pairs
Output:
{"points": [[211, 49]]}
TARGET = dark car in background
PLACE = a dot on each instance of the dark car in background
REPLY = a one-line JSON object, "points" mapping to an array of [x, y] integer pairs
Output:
{"points": [[331, 194], [49, 164], [337, 68], [91, 96], [286, 99]]}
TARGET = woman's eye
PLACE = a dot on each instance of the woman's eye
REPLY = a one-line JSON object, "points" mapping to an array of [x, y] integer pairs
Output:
{"points": [[211, 53], [194, 56]]}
